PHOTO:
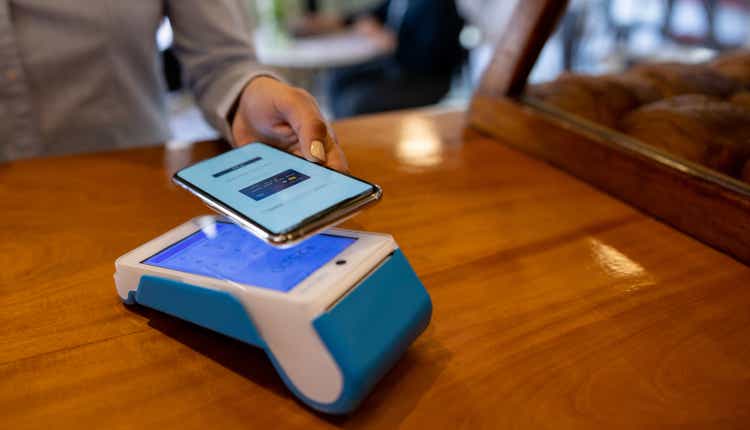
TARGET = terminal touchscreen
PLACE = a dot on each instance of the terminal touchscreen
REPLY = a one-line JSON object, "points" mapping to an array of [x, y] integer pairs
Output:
{"points": [[227, 251]]}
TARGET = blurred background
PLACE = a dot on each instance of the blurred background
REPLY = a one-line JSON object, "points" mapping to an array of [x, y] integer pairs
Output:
{"points": [[365, 56]]}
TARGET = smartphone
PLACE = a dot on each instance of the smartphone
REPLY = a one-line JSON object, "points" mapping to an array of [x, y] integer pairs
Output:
{"points": [[279, 197]]}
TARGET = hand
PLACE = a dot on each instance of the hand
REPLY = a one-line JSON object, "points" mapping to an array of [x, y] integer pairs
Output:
{"points": [[288, 118], [316, 24], [382, 37], [368, 26]]}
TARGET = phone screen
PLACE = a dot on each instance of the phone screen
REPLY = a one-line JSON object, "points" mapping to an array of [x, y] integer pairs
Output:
{"points": [[272, 188]]}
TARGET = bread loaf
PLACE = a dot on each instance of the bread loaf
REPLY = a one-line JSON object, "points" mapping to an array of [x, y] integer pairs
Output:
{"points": [[606, 99], [698, 112], [735, 65], [742, 99], [601, 99], [699, 128], [674, 79]]}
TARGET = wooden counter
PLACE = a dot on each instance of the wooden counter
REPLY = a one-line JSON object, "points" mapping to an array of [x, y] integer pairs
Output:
{"points": [[555, 306]]}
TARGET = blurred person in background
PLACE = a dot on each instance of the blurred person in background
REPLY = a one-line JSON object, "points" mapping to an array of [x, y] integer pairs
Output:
{"points": [[85, 75], [312, 6], [424, 38]]}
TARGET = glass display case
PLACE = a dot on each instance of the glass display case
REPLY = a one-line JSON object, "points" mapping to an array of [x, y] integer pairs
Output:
{"points": [[649, 102]]}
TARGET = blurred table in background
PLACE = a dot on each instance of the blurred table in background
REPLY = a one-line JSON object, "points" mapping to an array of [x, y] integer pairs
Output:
{"points": [[319, 52], [303, 60], [555, 305]]}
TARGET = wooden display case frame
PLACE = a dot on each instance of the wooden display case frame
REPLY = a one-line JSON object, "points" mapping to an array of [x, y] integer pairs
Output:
{"points": [[701, 202]]}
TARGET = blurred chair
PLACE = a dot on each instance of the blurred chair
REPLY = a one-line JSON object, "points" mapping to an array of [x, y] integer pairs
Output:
{"points": [[531, 24]]}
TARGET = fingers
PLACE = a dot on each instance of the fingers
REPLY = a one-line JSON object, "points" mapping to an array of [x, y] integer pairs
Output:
{"points": [[281, 136], [302, 114], [316, 140], [287, 118], [336, 158], [257, 119]]}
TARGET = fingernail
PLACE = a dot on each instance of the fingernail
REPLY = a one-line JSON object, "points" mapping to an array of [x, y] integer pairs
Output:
{"points": [[318, 150]]}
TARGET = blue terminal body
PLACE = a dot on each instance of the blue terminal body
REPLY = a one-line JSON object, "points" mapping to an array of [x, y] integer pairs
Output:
{"points": [[366, 332], [215, 310]]}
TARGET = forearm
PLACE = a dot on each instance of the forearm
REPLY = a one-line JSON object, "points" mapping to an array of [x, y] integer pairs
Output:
{"points": [[215, 49]]}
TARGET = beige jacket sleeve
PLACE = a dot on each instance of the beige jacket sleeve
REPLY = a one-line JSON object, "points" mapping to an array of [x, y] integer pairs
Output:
{"points": [[214, 46]]}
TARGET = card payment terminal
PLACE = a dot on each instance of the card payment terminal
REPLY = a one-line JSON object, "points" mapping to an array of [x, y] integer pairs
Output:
{"points": [[333, 313]]}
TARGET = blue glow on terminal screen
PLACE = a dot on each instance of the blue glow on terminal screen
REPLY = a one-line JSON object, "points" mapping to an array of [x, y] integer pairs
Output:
{"points": [[231, 253]]}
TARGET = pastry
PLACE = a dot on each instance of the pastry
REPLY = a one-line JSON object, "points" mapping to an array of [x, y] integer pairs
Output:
{"points": [[601, 99], [741, 99], [699, 128], [735, 65], [674, 79]]}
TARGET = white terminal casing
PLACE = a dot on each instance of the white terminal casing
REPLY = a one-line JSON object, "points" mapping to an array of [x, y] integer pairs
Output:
{"points": [[282, 319]]}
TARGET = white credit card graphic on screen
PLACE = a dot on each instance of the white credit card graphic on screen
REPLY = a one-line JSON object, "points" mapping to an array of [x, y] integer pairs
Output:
{"points": [[279, 196]]}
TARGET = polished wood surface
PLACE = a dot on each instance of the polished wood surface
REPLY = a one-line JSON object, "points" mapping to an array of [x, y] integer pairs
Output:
{"points": [[555, 305], [530, 26]]}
